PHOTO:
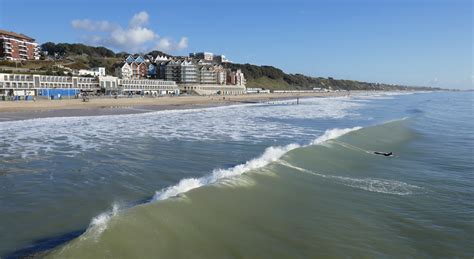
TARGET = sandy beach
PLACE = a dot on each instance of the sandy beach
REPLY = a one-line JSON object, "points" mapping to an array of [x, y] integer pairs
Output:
{"points": [[18, 110], [106, 102]]}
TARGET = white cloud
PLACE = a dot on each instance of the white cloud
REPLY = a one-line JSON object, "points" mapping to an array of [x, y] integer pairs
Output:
{"points": [[167, 44], [139, 19], [134, 38], [89, 25], [164, 44], [183, 43]]}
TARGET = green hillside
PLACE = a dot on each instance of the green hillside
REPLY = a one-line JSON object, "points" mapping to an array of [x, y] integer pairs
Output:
{"points": [[273, 78]]}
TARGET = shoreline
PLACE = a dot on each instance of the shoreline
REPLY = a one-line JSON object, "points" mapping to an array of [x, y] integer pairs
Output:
{"points": [[23, 110]]}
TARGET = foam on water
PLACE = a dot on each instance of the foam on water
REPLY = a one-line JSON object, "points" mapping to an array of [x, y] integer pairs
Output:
{"points": [[332, 134], [368, 184], [70, 136], [99, 223], [271, 154]]}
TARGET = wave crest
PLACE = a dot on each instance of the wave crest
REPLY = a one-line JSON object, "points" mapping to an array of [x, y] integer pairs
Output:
{"points": [[99, 223], [271, 154]]}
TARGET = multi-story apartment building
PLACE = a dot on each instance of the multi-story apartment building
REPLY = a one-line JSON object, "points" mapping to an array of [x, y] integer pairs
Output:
{"points": [[15, 46], [188, 72], [148, 86], [152, 71], [181, 71], [114, 85], [124, 71], [207, 75], [221, 75], [20, 85], [134, 67], [43, 85], [161, 69], [235, 78], [172, 70]]}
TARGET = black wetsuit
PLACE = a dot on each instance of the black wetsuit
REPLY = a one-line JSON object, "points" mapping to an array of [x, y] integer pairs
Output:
{"points": [[383, 153]]}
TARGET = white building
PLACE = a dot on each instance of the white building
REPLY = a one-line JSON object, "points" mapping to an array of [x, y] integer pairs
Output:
{"points": [[148, 86], [213, 89], [96, 71], [257, 91], [124, 71], [33, 85], [207, 75], [111, 85], [188, 72]]}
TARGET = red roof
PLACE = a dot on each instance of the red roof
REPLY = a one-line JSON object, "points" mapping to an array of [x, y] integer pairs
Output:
{"points": [[16, 35]]}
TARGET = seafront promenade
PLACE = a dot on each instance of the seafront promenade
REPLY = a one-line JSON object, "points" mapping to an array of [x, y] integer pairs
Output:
{"points": [[167, 101]]}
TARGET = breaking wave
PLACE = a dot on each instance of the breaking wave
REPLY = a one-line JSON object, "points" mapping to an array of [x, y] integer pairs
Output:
{"points": [[270, 155], [99, 223]]}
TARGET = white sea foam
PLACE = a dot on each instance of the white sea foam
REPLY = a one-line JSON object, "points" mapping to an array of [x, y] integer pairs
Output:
{"points": [[71, 136], [100, 223], [368, 184], [332, 134], [271, 154]]}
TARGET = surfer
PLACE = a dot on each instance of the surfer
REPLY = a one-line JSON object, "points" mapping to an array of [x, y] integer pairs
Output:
{"points": [[383, 153]]}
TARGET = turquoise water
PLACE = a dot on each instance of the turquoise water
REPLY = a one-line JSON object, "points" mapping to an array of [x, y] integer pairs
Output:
{"points": [[245, 181]]}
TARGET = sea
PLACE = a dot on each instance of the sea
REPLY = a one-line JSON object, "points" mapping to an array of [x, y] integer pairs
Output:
{"points": [[257, 180]]}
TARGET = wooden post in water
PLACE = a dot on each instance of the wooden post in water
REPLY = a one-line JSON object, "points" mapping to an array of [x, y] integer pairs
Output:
{"points": [[297, 100]]}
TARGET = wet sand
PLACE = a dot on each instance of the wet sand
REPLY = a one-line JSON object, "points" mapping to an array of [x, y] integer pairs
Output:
{"points": [[21, 110]]}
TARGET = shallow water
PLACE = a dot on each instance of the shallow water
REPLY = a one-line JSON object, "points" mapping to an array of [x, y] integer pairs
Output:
{"points": [[245, 181]]}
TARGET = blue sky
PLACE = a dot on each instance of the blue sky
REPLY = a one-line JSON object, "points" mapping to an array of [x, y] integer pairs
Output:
{"points": [[413, 42]]}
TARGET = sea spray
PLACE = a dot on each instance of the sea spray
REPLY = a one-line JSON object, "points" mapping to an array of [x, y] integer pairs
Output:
{"points": [[332, 134], [99, 223], [271, 154]]}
